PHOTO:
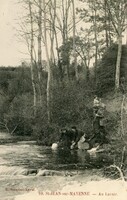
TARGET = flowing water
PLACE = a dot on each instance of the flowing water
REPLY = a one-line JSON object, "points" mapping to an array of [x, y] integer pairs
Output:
{"points": [[21, 162], [28, 155]]}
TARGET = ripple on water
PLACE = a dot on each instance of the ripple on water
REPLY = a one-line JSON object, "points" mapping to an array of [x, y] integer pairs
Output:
{"points": [[10, 171], [32, 156]]}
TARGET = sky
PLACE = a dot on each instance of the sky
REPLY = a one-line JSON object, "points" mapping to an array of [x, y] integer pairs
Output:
{"points": [[12, 52], [10, 47]]}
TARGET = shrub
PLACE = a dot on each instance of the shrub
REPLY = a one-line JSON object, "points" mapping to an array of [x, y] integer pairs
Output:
{"points": [[106, 69]]}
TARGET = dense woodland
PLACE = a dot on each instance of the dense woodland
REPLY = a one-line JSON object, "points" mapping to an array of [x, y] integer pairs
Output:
{"points": [[76, 52]]}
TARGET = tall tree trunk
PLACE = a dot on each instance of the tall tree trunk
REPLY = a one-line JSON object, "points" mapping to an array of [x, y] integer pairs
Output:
{"points": [[52, 9], [86, 69], [65, 11], [96, 42], [74, 45], [58, 57], [106, 25], [118, 16], [109, 32], [40, 50], [57, 48], [87, 73], [48, 65], [126, 22], [119, 53], [88, 63], [32, 61]]}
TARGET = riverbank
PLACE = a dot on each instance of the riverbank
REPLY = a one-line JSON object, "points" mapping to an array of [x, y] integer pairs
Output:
{"points": [[7, 138]]}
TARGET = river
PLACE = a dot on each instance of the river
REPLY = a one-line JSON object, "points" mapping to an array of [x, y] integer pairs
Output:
{"points": [[26, 166]]}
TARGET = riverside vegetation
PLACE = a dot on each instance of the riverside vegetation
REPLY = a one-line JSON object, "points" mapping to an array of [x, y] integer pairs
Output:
{"points": [[71, 104]]}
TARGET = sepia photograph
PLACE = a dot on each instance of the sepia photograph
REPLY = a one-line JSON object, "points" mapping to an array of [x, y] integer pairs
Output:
{"points": [[63, 99]]}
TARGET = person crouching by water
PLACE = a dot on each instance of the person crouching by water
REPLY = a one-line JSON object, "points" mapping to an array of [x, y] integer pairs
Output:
{"points": [[64, 140], [79, 139], [69, 137]]}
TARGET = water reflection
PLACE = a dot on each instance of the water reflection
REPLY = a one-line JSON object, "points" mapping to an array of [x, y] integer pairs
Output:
{"points": [[32, 156], [80, 158]]}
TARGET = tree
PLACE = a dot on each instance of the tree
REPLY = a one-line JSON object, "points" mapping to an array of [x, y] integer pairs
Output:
{"points": [[40, 47], [84, 51], [49, 81], [64, 25], [95, 15], [74, 45], [31, 32], [91, 15], [32, 60], [94, 11], [117, 10], [106, 25]]}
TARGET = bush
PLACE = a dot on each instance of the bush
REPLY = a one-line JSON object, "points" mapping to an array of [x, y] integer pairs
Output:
{"points": [[106, 69], [20, 126], [46, 134]]}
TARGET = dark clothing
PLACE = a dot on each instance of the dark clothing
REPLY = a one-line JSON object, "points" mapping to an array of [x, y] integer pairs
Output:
{"points": [[98, 138], [66, 137], [96, 125], [99, 132], [79, 135], [69, 136]]}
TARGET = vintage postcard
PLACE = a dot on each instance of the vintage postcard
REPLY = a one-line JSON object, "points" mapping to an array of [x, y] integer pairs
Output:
{"points": [[63, 99]]}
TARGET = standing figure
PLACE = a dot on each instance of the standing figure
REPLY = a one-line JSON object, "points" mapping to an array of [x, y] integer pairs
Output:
{"points": [[99, 131], [96, 104]]}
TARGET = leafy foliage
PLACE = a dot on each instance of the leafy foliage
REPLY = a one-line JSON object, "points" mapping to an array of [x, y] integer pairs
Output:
{"points": [[106, 69]]}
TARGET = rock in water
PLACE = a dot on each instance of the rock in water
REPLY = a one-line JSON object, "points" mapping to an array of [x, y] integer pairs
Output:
{"points": [[54, 146], [46, 172]]}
